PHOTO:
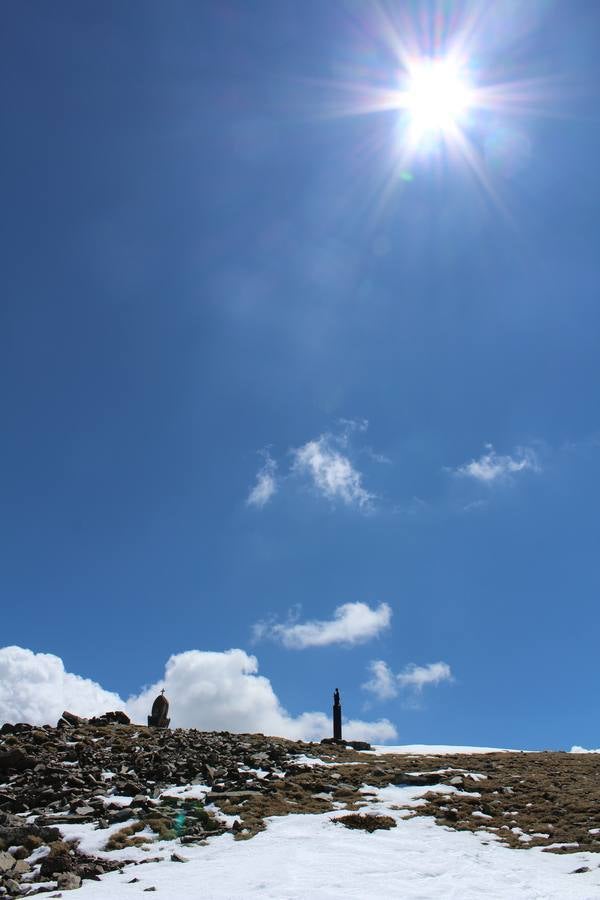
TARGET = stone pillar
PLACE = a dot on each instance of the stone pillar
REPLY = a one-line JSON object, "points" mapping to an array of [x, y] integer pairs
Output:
{"points": [[337, 716]]}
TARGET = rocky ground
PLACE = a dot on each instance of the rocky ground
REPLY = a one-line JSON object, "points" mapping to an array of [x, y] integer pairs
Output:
{"points": [[107, 773]]}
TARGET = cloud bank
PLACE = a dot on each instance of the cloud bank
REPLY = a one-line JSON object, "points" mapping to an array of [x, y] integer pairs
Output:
{"points": [[385, 685], [352, 623], [212, 691], [491, 467]]}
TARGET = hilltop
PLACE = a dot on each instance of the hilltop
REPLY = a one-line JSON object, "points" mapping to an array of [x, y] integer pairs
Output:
{"points": [[114, 808]]}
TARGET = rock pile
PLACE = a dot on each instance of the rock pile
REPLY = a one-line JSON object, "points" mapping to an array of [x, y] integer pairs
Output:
{"points": [[51, 777], [137, 786]]}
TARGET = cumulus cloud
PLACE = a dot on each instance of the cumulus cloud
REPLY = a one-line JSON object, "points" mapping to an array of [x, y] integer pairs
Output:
{"points": [[384, 684], [491, 466], [34, 687], [266, 484], [331, 472], [352, 623], [207, 690]]}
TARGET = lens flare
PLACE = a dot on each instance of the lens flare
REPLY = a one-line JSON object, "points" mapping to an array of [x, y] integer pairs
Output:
{"points": [[442, 90]]}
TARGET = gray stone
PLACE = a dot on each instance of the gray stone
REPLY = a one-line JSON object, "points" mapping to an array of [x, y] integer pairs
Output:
{"points": [[7, 861], [72, 719], [68, 881], [20, 867]]}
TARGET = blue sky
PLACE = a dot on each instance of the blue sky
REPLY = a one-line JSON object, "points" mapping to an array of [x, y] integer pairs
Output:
{"points": [[200, 266]]}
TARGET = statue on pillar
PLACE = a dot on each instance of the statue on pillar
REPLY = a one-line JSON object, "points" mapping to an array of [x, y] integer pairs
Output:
{"points": [[337, 716], [160, 711]]}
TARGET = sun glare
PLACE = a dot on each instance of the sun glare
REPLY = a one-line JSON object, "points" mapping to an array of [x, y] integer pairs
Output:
{"points": [[436, 85], [437, 95]]}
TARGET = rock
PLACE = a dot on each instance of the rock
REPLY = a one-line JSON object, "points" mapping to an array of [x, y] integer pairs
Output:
{"points": [[56, 863], [12, 886], [20, 867], [175, 857], [14, 831], [7, 861], [405, 778], [68, 881], [581, 870], [72, 719], [117, 717], [359, 745], [17, 760]]}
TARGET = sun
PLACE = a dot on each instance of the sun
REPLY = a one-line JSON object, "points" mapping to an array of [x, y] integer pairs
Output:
{"points": [[434, 84], [437, 96]]}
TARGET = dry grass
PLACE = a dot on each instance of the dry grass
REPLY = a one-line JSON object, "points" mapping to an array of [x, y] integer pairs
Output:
{"points": [[366, 822], [125, 837]]}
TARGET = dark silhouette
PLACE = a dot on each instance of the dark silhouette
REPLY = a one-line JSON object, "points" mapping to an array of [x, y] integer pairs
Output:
{"points": [[337, 716], [160, 710]]}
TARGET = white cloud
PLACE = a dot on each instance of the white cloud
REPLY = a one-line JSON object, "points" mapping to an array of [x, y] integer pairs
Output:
{"points": [[418, 676], [491, 466], [352, 623], [327, 462], [266, 484], [331, 472], [384, 684], [207, 690], [34, 687]]}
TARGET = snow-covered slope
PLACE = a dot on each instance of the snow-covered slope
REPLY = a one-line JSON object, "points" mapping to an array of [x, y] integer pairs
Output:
{"points": [[310, 856]]}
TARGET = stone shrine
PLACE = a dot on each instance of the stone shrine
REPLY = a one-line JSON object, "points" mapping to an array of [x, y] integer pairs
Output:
{"points": [[160, 711]]}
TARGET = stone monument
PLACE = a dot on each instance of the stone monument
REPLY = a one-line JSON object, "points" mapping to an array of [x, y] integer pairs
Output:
{"points": [[160, 711], [337, 716], [337, 728]]}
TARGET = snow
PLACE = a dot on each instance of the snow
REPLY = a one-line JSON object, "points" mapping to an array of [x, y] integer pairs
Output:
{"points": [[301, 759], [300, 856], [433, 749], [115, 800], [577, 749], [187, 791]]}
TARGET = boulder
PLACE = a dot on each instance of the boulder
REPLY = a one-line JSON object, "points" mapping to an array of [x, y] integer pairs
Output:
{"points": [[72, 719], [116, 717], [15, 759], [7, 861], [68, 881]]}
